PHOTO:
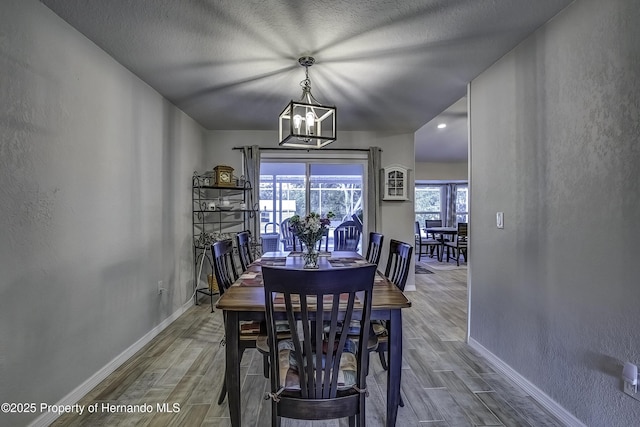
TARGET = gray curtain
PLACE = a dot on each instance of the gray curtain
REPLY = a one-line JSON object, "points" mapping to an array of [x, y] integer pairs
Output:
{"points": [[252, 174], [374, 213], [450, 205]]}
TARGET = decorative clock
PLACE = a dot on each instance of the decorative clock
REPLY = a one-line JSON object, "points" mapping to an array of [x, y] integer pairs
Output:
{"points": [[395, 183], [224, 176]]}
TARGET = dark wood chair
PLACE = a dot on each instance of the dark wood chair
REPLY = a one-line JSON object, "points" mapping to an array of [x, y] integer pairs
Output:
{"points": [[398, 263], [459, 244], [374, 249], [325, 239], [318, 374], [226, 274], [288, 239], [397, 271], [224, 265], [346, 237], [426, 245], [243, 241]]}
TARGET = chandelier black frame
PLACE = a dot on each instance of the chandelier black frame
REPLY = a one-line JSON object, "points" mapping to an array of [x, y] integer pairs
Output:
{"points": [[306, 123]]}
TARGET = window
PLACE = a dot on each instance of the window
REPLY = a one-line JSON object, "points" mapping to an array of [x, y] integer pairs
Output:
{"points": [[462, 203], [428, 202], [432, 201]]}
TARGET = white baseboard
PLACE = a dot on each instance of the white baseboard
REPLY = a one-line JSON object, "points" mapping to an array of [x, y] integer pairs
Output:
{"points": [[79, 392], [538, 395]]}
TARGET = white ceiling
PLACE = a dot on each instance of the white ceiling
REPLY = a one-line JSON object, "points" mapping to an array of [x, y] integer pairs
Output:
{"points": [[387, 65]]}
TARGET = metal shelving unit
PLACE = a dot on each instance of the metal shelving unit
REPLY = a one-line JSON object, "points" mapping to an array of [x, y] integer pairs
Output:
{"points": [[218, 212]]}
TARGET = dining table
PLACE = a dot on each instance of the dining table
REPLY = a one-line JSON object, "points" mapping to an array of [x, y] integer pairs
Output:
{"points": [[244, 301], [442, 232]]}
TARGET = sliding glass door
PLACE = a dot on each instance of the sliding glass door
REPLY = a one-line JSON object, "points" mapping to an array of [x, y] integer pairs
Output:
{"points": [[289, 187]]}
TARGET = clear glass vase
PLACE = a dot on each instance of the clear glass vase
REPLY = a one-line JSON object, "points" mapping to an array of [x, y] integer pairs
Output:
{"points": [[310, 257]]}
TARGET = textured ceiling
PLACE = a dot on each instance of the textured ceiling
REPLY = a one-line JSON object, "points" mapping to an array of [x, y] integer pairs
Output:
{"points": [[387, 65]]}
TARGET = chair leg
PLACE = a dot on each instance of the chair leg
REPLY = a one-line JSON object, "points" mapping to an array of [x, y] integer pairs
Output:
{"points": [[275, 419], [362, 413], [223, 392], [383, 361], [265, 365]]}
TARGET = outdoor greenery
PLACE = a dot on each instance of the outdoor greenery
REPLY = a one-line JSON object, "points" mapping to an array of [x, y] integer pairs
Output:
{"points": [[343, 199], [427, 203]]}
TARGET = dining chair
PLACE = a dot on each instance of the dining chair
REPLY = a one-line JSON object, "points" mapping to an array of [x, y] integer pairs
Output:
{"points": [[318, 374], [429, 244], [288, 239], [397, 271], [243, 241], [346, 237], [251, 332], [459, 244], [374, 249]]}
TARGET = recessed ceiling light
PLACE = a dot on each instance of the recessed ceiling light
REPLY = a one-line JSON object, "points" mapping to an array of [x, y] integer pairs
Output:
{"points": [[442, 125]]}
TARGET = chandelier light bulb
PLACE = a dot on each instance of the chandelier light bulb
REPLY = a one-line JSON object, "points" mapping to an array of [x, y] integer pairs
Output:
{"points": [[297, 122], [310, 122]]}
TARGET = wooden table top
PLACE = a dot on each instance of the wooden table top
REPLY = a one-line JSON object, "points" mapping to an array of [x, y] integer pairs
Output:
{"points": [[247, 293], [442, 229]]}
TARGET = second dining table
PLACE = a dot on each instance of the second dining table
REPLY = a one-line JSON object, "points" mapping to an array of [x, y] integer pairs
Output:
{"points": [[442, 232], [244, 300]]}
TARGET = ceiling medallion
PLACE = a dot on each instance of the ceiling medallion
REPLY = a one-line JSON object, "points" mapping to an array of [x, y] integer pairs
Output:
{"points": [[307, 123]]}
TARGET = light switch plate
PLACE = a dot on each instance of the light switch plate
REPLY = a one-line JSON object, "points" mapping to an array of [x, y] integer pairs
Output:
{"points": [[630, 390], [500, 220]]}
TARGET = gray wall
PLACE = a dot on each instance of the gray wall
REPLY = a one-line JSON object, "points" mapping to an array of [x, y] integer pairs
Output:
{"points": [[428, 171], [95, 171], [554, 144]]}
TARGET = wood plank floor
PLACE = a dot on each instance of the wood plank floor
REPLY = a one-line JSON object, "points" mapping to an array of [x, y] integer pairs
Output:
{"points": [[444, 382]]}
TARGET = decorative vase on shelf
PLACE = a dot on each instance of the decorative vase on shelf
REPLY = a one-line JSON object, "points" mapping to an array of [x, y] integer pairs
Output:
{"points": [[310, 257]]}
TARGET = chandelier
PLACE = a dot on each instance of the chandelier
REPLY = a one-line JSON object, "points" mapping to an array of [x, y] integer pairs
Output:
{"points": [[306, 123]]}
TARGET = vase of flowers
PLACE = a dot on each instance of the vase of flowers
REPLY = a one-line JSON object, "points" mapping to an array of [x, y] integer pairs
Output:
{"points": [[309, 230]]}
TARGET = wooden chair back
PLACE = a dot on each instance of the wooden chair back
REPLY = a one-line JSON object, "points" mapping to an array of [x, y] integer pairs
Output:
{"points": [[316, 375], [463, 229], [398, 262], [374, 250], [346, 237], [459, 244], [433, 223], [224, 266], [243, 241]]}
